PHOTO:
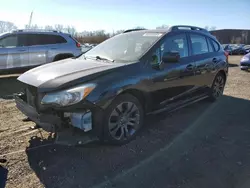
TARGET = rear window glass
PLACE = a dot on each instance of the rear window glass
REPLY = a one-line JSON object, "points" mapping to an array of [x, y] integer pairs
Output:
{"points": [[44, 39]]}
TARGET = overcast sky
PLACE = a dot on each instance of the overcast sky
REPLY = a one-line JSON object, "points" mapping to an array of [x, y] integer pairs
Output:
{"points": [[114, 14]]}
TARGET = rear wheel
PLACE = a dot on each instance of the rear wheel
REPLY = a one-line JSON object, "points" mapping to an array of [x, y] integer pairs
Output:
{"points": [[217, 87], [123, 119]]}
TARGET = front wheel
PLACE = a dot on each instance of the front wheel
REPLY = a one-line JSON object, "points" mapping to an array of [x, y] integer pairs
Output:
{"points": [[123, 119], [217, 87]]}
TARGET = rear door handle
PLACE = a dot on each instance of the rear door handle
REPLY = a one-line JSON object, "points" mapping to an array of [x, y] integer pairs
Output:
{"points": [[190, 67]]}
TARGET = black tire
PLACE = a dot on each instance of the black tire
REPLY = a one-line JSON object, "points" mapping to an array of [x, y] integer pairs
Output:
{"points": [[217, 87], [114, 123]]}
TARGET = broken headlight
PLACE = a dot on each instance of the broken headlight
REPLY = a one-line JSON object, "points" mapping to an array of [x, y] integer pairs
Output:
{"points": [[69, 96]]}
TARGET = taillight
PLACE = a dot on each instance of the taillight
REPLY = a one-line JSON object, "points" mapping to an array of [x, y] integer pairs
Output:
{"points": [[226, 54], [78, 45]]}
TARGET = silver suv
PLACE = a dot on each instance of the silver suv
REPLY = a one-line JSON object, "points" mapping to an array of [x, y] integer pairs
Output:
{"points": [[30, 48]]}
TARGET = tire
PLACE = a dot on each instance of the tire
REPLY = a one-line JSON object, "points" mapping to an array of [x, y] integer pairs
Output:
{"points": [[217, 87], [123, 118]]}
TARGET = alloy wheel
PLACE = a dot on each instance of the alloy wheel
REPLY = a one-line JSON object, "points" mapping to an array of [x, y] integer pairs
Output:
{"points": [[124, 121], [218, 86]]}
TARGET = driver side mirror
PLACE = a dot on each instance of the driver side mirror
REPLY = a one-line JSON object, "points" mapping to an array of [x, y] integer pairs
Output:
{"points": [[171, 57]]}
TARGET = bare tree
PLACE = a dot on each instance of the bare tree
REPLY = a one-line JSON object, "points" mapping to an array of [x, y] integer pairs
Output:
{"points": [[71, 30], [212, 28], [139, 27], [206, 27], [48, 27], [163, 27], [59, 27], [119, 32], [6, 26], [35, 26]]}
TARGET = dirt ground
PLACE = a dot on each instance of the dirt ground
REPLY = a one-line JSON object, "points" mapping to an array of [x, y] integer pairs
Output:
{"points": [[203, 145]]}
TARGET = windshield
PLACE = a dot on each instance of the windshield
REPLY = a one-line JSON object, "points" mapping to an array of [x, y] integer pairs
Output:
{"points": [[125, 47]]}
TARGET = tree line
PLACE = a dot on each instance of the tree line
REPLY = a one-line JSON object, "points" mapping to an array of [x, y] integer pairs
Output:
{"points": [[93, 37]]}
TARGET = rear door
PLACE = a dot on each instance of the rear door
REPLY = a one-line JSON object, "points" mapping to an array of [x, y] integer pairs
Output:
{"points": [[38, 49], [202, 53], [44, 47], [14, 52]]}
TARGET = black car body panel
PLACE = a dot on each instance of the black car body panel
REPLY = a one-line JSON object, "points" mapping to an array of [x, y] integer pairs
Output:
{"points": [[53, 76], [171, 84]]}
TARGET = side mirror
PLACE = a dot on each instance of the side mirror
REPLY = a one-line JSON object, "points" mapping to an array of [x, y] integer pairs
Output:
{"points": [[156, 64], [171, 57]]}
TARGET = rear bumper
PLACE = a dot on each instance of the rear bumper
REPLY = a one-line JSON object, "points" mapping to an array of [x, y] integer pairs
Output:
{"points": [[47, 121]]}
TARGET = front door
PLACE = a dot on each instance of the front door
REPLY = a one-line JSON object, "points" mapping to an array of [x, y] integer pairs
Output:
{"points": [[13, 52], [174, 81]]}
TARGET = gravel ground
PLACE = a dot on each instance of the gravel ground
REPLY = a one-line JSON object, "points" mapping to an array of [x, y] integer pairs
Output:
{"points": [[202, 145]]}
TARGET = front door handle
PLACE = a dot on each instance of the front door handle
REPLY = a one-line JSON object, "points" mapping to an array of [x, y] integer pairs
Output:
{"points": [[190, 67]]}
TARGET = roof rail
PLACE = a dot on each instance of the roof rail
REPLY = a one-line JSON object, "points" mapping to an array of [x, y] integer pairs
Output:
{"points": [[130, 30], [35, 30], [188, 27]]}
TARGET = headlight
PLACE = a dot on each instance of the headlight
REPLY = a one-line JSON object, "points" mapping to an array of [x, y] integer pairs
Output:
{"points": [[69, 96], [245, 58]]}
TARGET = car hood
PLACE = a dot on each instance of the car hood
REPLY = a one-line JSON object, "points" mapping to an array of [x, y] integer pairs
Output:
{"points": [[58, 73]]}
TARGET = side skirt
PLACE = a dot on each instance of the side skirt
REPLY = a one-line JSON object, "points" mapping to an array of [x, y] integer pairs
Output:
{"points": [[176, 106]]}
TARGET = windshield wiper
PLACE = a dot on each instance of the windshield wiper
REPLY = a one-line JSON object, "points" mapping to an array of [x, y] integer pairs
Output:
{"points": [[104, 58]]}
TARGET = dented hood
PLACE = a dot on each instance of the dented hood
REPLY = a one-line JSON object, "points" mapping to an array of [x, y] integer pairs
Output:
{"points": [[56, 74]]}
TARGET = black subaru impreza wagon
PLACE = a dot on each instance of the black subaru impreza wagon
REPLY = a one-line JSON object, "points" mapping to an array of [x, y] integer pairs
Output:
{"points": [[109, 90]]}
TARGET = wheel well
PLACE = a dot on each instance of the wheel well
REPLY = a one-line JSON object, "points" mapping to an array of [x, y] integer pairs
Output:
{"points": [[62, 56], [139, 95], [223, 73]]}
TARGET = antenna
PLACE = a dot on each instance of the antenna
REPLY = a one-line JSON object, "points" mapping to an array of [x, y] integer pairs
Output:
{"points": [[30, 19]]}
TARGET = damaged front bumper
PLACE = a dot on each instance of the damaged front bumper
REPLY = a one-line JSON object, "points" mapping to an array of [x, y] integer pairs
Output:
{"points": [[83, 117]]}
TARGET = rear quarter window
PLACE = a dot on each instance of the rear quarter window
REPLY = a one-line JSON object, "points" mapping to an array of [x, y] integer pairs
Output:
{"points": [[215, 45]]}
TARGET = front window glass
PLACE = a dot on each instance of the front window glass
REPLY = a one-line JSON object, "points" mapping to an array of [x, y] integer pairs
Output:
{"points": [[125, 47], [177, 43], [9, 41]]}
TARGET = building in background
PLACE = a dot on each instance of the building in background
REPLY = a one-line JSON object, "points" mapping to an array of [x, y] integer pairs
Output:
{"points": [[232, 36]]}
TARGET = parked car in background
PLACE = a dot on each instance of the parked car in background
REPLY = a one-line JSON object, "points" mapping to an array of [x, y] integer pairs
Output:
{"points": [[31, 48], [108, 90], [236, 49], [245, 62], [246, 48]]}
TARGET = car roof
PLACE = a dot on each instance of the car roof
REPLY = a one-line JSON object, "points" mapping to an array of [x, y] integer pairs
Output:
{"points": [[185, 28], [38, 31]]}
